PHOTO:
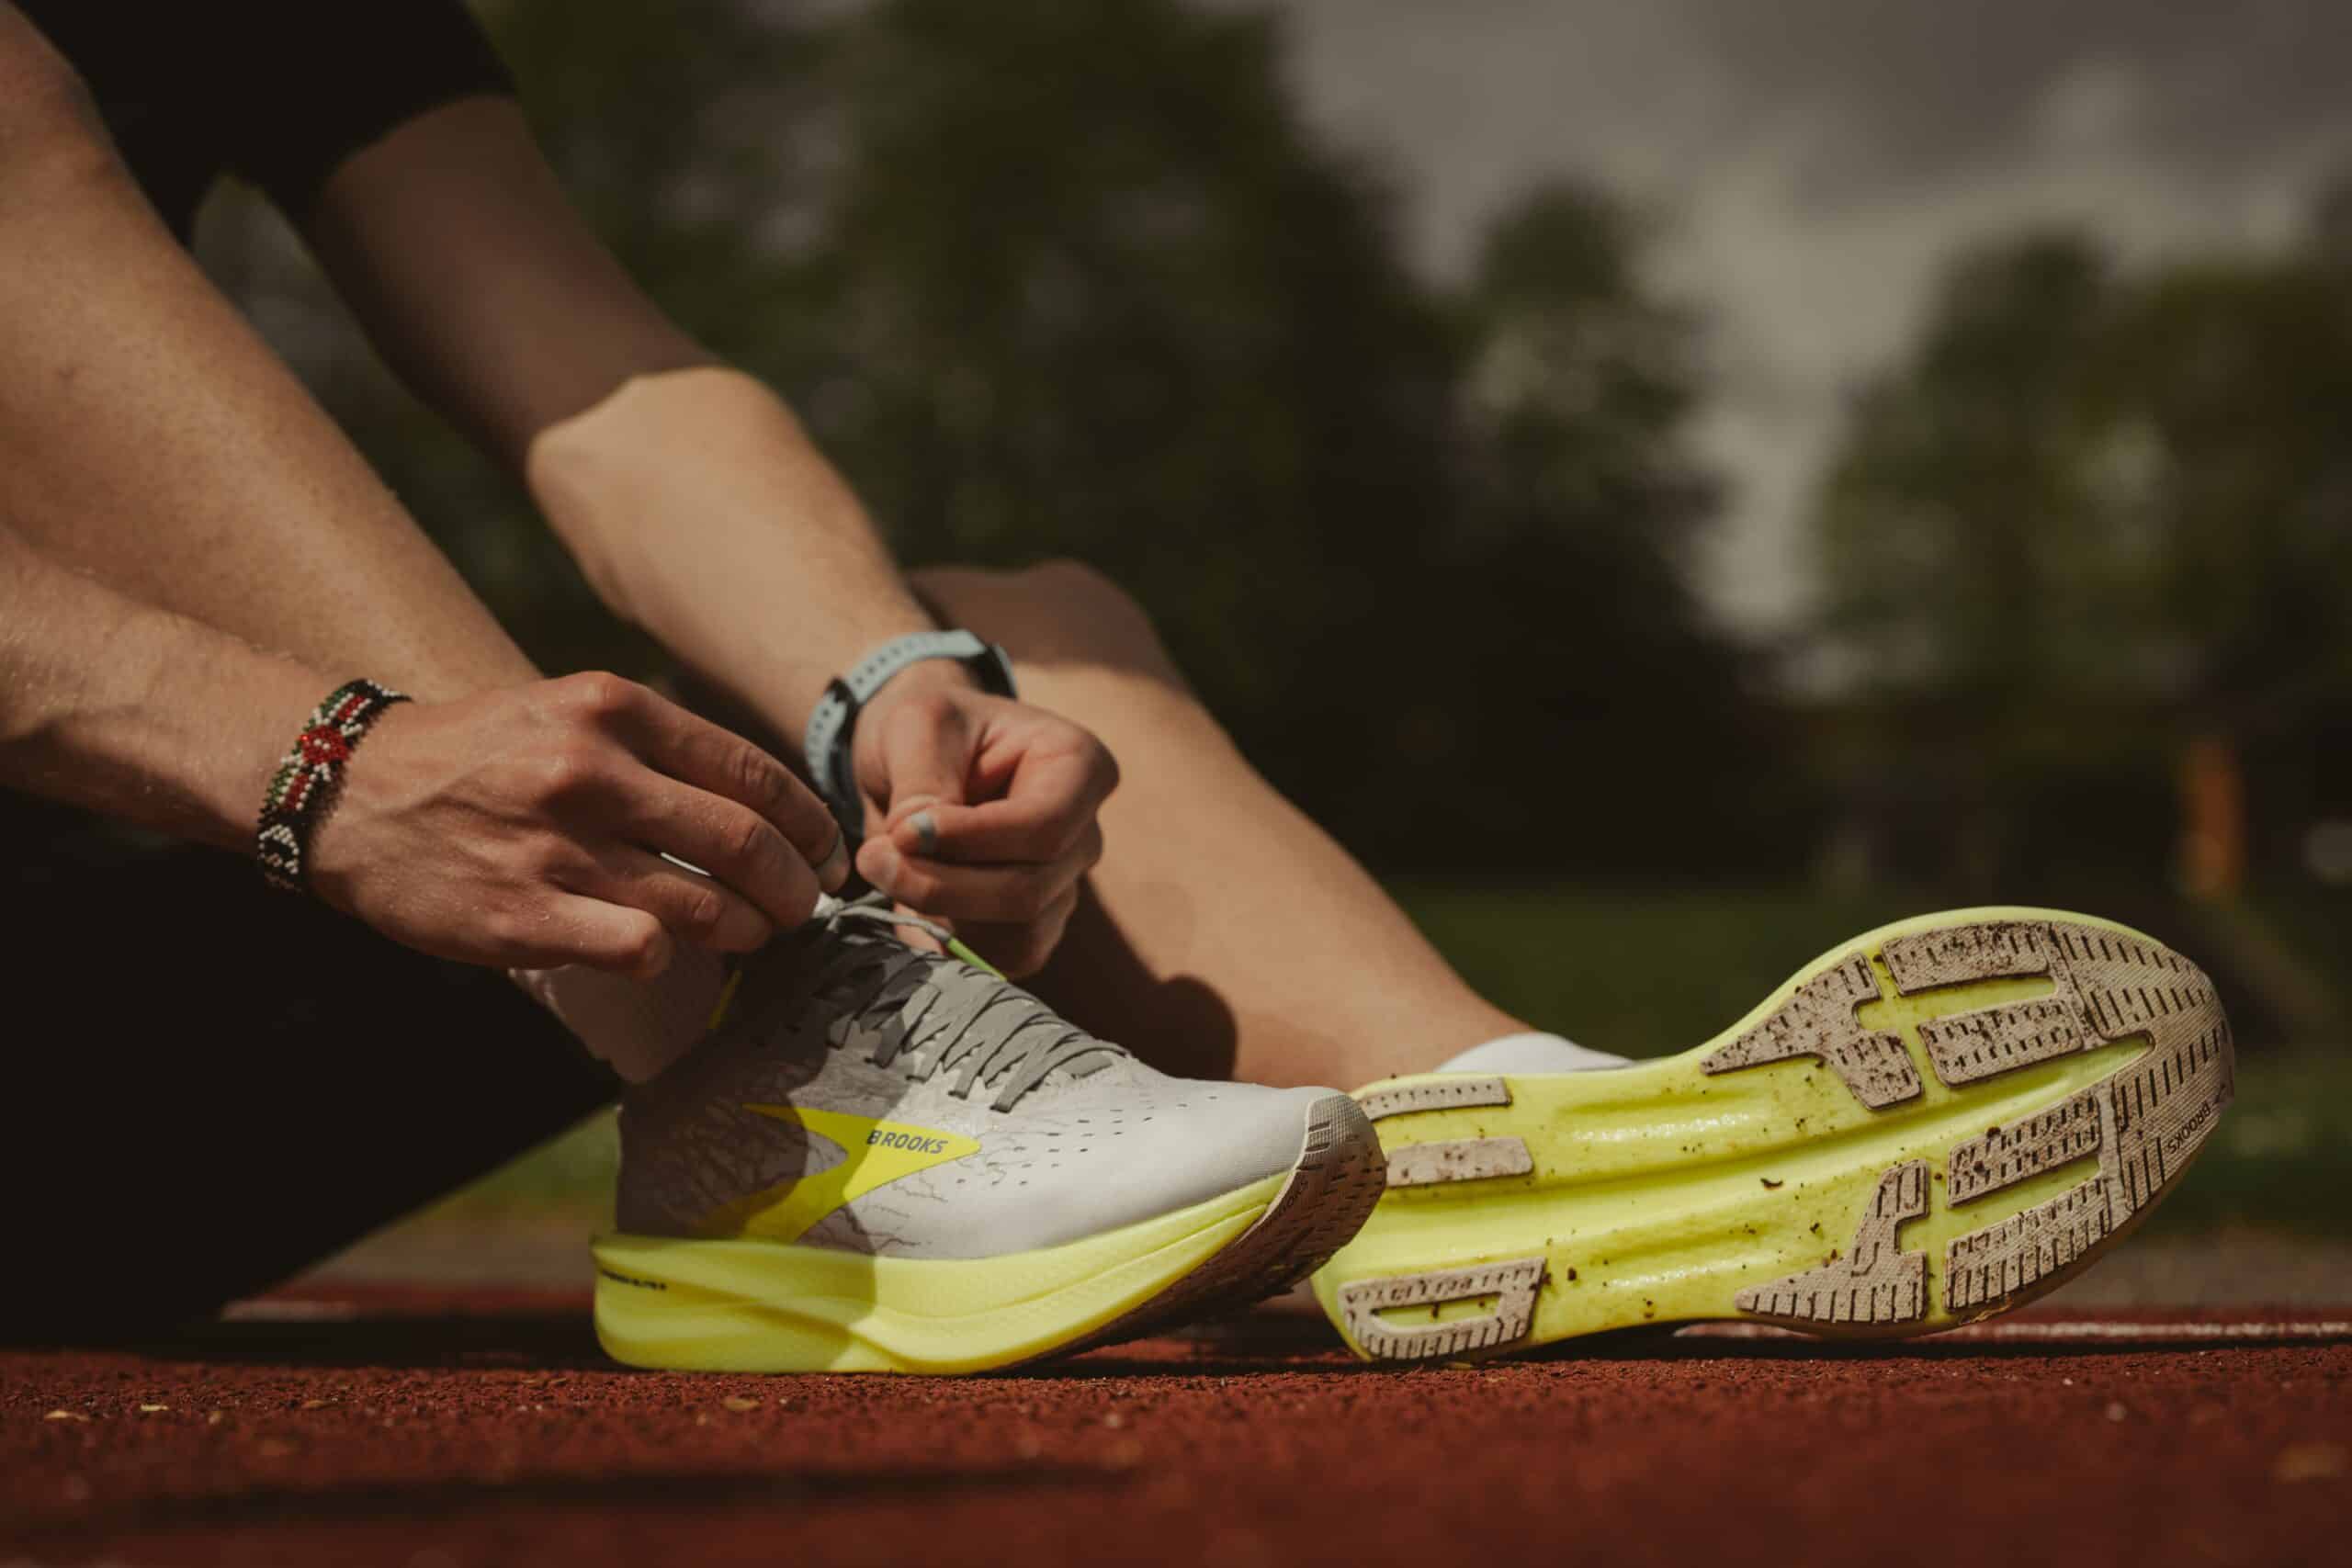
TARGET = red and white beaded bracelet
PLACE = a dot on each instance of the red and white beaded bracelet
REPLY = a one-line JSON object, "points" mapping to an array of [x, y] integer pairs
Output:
{"points": [[306, 782]]}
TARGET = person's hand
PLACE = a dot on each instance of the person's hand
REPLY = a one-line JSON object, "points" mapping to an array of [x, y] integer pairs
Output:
{"points": [[526, 828], [980, 811]]}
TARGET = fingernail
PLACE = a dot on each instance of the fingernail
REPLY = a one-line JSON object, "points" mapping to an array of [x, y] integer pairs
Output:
{"points": [[879, 862], [926, 831], [834, 869]]}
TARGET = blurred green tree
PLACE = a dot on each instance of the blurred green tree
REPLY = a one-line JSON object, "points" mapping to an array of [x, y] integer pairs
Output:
{"points": [[1095, 292], [1612, 697], [2092, 520]]}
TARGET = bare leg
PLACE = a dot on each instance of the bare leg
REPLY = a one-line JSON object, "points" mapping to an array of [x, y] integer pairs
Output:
{"points": [[1224, 931]]}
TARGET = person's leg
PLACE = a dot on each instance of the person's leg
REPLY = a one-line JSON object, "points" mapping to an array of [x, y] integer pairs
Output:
{"points": [[1224, 933], [211, 1085]]}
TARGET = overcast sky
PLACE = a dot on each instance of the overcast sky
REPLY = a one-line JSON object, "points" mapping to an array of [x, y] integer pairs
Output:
{"points": [[1815, 159]]}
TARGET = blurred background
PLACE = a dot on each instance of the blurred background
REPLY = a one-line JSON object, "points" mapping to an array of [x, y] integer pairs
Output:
{"points": [[1643, 475]]}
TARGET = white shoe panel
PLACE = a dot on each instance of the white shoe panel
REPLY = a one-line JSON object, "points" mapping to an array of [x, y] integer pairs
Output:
{"points": [[1080, 1165]]}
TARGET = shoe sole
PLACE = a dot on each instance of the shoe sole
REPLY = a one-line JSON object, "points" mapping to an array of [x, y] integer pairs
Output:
{"points": [[1936, 1121], [760, 1306]]}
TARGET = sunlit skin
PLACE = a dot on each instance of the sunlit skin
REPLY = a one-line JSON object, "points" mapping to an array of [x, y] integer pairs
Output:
{"points": [[191, 554]]}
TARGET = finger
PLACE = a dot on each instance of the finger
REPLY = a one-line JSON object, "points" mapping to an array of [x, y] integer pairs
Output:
{"points": [[602, 936], [1048, 806], [1015, 894], [1023, 950], [729, 841], [922, 751], [696, 909], [718, 761]]}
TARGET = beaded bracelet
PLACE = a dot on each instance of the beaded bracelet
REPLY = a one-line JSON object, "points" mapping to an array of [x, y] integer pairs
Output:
{"points": [[306, 782]]}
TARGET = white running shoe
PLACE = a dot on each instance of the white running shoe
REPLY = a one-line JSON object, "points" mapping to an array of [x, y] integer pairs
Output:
{"points": [[891, 1160]]}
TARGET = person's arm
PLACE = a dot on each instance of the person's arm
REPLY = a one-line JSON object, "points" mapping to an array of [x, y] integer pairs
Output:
{"points": [[508, 828], [136, 713], [174, 502], [690, 493], [699, 508], [149, 437]]}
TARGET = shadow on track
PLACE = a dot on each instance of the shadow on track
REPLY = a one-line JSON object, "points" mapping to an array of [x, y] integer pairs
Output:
{"points": [[538, 1340], [536, 1331]]}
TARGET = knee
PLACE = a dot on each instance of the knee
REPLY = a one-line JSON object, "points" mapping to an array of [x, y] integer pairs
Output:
{"points": [[1084, 599], [1056, 611]]}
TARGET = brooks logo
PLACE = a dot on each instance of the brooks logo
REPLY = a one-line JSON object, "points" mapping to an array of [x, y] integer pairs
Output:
{"points": [[889, 1138]]}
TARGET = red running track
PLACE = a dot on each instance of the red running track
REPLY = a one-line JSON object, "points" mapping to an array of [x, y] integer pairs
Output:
{"points": [[429, 1430]]}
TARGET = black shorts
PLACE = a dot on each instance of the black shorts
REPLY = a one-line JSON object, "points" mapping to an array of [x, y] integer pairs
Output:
{"points": [[210, 1084], [279, 92]]}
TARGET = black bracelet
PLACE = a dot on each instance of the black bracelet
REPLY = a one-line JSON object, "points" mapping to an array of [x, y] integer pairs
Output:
{"points": [[833, 723], [306, 782]]}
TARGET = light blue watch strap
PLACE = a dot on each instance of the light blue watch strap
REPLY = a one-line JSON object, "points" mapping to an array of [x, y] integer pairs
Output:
{"points": [[833, 724]]}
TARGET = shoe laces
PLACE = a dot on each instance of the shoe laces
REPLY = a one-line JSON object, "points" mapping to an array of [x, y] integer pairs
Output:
{"points": [[925, 1015]]}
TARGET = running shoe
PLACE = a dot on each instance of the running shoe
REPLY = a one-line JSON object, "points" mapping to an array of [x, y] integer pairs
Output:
{"points": [[893, 1160], [1934, 1122]]}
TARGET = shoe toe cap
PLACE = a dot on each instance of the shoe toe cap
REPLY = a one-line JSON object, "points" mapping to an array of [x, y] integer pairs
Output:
{"points": [[1142, 1155]]}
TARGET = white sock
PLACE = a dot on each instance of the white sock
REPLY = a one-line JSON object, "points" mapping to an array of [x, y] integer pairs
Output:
{"points": [[1531, 1053], [637, 1026]]}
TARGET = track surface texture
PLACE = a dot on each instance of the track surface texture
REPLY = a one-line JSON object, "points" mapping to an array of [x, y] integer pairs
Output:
{"points": [[424, 1430]]}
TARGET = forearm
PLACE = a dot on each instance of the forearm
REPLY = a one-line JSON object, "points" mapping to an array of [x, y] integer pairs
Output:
{"points": [[148, 436], [688, 492], [134, 712], [700, 510]]}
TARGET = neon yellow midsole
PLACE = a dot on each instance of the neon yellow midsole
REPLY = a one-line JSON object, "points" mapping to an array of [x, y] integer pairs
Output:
{"points": [[751, 1305], [1658, 1190]]}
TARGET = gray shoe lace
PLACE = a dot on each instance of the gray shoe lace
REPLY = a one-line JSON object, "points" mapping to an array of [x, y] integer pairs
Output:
{"points": [[925, 1014]]}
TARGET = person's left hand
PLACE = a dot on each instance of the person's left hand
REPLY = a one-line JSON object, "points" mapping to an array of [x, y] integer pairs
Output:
{"points": [[980, 811]]}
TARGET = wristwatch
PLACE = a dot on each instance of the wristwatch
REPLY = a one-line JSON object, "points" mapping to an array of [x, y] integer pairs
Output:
{"points": [[826, 744]]}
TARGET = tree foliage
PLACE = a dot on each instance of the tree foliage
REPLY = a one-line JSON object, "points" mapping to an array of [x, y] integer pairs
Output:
{"points": [[2095, 514]]}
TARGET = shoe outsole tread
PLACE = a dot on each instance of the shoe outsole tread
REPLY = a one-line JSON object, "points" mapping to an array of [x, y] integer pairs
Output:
{"points": [[1935, 1122]]}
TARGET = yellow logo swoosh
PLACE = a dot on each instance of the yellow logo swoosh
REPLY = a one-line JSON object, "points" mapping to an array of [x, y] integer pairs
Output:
{"points": [[874, 1154]]}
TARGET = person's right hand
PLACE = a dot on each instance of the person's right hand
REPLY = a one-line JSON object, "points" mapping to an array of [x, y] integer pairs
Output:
{"points": [[520, 828]]}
